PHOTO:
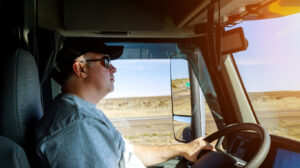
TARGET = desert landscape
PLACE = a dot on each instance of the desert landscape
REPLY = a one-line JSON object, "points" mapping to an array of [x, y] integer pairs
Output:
{"points": [[279, 112], [148, 120], [144, 120]]}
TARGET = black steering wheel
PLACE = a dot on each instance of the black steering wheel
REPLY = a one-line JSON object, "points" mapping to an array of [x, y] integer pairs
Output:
{"points": [[222, 159]]}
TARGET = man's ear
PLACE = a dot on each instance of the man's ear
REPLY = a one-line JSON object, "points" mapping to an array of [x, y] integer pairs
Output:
{"points": [[79, 69]]}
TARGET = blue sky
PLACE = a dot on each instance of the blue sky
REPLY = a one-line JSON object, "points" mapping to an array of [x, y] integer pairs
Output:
{"points": [[136, 78], [271, 62]]}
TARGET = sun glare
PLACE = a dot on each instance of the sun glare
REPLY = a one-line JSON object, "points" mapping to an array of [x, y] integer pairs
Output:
{"points": [[277, 8]]}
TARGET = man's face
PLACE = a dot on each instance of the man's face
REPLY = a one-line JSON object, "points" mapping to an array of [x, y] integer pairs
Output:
{"points": [[98, 75]]}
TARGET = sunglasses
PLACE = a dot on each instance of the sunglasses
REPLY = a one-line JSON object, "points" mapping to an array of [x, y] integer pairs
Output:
{"points": [[106, 60]]}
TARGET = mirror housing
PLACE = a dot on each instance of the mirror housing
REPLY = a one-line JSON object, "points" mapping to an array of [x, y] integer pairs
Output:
{"points": [[181, 99], [233, 41], [188, 102]]}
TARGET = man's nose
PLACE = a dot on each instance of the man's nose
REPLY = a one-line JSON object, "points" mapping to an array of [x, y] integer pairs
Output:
{"points": [[112, 69]]}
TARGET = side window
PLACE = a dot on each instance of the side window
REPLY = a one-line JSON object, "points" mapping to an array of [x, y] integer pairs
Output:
{"points": [[270, 71], [140, 106], [210, 124]]}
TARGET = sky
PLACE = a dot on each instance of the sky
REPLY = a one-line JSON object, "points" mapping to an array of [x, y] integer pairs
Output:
{"points": [[272, 60], [139, 78], [270, 63]]}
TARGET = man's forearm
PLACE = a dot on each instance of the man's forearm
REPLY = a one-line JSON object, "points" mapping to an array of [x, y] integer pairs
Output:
{"points": [[151, 155]]}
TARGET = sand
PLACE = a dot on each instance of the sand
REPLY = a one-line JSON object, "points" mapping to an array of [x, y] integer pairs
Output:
{"points": [[148, 120]]}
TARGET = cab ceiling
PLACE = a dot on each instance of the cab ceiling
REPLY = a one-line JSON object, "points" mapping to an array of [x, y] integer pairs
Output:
{"points": [[144, 18], [115, 18]]}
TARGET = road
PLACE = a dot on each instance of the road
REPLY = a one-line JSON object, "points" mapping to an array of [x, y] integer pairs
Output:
{"points": [[142, 121], [282, 123]]}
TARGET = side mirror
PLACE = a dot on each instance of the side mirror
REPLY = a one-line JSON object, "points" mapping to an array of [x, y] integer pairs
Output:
{"points": [[181, 100], [182, 128], [188, 102]]}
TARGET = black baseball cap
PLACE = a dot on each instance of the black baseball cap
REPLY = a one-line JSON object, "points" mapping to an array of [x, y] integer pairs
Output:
{"points": [[76, 46]]}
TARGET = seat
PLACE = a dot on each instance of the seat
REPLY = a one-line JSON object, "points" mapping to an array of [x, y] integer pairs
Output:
{"points": [[12, 155], [20, 109]]}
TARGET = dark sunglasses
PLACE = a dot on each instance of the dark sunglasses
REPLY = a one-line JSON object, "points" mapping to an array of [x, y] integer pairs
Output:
{"points": [[106, 60]]}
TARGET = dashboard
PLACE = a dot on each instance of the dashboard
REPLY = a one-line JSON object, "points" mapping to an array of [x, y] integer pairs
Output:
{"points": [[284, 153]]}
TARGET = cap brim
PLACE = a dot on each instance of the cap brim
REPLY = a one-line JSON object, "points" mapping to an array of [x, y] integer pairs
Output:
{"points": [[87, 44], [114, 52]]}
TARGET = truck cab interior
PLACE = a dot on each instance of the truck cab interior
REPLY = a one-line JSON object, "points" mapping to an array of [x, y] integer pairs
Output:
{"points": [[204, 33]]}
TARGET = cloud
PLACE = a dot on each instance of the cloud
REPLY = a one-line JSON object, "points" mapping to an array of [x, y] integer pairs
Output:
{"points": [[139, 67], [139, 64], [132, 67], [293, 27], [138, 61], [246, 62]]}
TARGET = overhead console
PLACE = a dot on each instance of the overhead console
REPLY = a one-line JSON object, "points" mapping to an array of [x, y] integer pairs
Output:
{"points": [[234, 11], [117, 15], [147, 18], [106, 18]]}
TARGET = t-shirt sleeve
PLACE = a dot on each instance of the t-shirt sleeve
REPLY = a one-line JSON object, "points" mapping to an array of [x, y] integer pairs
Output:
{"points": [[86, 143], [130, 159]]}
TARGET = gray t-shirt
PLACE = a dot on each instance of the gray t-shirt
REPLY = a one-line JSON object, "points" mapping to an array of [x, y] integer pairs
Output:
{"points": [[74, 133]]}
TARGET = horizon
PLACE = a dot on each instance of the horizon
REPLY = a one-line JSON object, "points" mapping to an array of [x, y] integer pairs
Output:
{"points": [[249, 93], [263, 67]]}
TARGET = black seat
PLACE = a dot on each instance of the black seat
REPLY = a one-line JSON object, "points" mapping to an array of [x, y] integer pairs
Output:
{"points": [[20, 109]]}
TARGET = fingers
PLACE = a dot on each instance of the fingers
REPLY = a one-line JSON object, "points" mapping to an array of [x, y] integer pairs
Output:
{"points": [[208, 146], [195, 147], [202, 144]]}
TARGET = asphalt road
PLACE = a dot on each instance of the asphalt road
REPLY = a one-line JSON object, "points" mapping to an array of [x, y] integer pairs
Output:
{"points": [[142, 121]]}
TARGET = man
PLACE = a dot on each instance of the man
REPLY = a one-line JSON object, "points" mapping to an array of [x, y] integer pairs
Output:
{"points": [[74, 133]]}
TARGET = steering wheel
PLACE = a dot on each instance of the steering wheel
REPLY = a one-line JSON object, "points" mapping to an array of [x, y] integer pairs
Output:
{"points": [[223, 159]]}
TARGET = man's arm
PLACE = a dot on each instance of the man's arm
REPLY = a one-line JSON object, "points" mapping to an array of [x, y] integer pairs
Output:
{"points": [[151, 155]]}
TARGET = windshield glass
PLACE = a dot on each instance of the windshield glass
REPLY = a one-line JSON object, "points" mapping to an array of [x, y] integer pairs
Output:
{"points": [[270, 72], [141, 105]]}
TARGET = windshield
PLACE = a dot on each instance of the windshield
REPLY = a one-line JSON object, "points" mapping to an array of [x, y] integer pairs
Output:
{"points": [[270, 72], [141, 104]]}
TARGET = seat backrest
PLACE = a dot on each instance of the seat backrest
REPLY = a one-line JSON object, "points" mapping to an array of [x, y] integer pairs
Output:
{"points": [[12, 155], [20, 108]]}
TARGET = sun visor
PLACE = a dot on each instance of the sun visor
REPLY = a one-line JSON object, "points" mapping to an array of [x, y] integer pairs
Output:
{"points": [[274, 9], [116, 15]]}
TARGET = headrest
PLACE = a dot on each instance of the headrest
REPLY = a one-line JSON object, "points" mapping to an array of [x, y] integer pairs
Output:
{"points": [[21, 108]]}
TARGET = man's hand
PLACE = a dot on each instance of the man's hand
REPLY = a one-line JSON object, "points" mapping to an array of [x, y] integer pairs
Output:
{"points": [[193, 148], [151, 155]]}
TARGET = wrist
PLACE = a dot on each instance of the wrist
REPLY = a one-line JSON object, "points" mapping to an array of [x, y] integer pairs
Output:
{"points": [[183, 150]]}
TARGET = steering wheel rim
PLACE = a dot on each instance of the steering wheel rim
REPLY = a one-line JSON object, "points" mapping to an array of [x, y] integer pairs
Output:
{"points": [[265, 141]]}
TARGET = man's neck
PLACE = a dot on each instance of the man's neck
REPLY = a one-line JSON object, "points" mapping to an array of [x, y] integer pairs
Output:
{"points": [[83, 91], [90, 98]]}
